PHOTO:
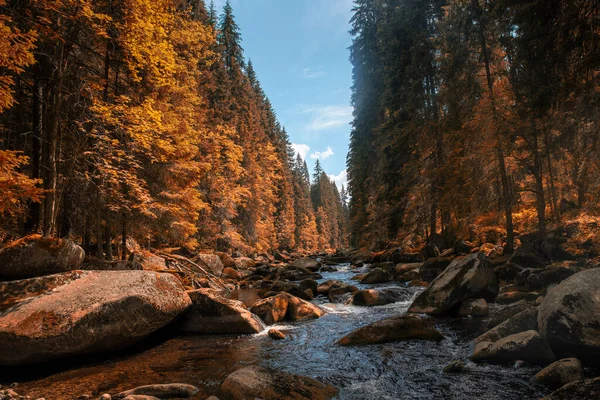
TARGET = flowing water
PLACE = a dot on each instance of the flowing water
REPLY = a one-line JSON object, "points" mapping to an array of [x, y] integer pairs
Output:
{"points": [[403, 370]]}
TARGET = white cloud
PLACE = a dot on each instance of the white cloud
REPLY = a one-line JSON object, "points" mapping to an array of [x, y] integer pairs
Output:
{"points": [[341, 179], [322, 155], [310, 73], [301, 149], [328, 117]]}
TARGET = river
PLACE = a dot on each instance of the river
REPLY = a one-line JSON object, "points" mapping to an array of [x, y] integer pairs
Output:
{"points": [[404, 370]]}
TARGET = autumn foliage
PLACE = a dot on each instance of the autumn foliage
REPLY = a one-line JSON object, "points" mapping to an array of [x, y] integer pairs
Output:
{"points": [[472, 113], [142, 118]]}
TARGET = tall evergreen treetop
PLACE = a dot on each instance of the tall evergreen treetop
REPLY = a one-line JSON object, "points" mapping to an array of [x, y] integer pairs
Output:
{"points": [[231, 41]]}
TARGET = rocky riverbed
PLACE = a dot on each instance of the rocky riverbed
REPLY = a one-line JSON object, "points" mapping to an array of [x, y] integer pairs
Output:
{"points": [[320, 327]]}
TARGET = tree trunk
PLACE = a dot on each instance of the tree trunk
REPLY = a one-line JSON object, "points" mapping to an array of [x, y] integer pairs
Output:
{"points": [[124, 236], [553, 197], [37, 113], [108, 239], [506, 191], [539, 185]]}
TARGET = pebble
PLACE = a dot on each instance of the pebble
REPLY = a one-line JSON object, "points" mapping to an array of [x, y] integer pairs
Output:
{"points": [[105, 396], [276, 335], [454, 367], [521, 364]]}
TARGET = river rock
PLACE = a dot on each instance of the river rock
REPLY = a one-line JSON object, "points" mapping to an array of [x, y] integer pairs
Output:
{"points": [[380, 297], [309, 284], [403, 327], [433, 267], [309, 263], [507, 312], [521, 322], [212, 314], [148, 261], [271, 310], [211, 263], [580, 390], [560, 373], [528, 256], [166, 391], [341, 294], [140, 397], [78, 312], [454, 367], [276, 334], [473, 307], [325, 287], [527, 346], [284, 306], [227, 260], [269, 384], [376, 275], [35, 255], [244, 263], [540, 279], [297, 292], [430, 250], [301, 310], [512, 296], [230, 273], [465, 278], [409, 276], [569, 317]]}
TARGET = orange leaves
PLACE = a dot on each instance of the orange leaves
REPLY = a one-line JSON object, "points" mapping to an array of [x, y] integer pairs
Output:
{"points": [[16, 53], [16, 188]]}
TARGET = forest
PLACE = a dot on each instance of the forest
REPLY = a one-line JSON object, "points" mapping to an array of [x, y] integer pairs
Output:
{"points": [[142, 118], [162, 236], [472, 115]]}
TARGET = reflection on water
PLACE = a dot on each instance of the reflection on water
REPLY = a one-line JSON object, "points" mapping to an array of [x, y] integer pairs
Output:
{"points": [[405, 370]]}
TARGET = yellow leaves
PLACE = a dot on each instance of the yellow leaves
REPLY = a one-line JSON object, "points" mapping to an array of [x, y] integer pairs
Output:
{"points": [[16, 188], [16, 52]]}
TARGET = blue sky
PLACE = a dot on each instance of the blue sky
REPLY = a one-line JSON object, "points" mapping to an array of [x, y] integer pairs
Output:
{"points": [[299, 49]]}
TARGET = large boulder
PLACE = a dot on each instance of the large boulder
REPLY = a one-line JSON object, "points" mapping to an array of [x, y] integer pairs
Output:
{"points": [[528, 346], [35, 255], [376, 275], [580, 390], [268, 384], [212, 314], [404, 327], [211, 263], [79, 312], [560, 373], [465, 278], [380, 297], [569, 317]]}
